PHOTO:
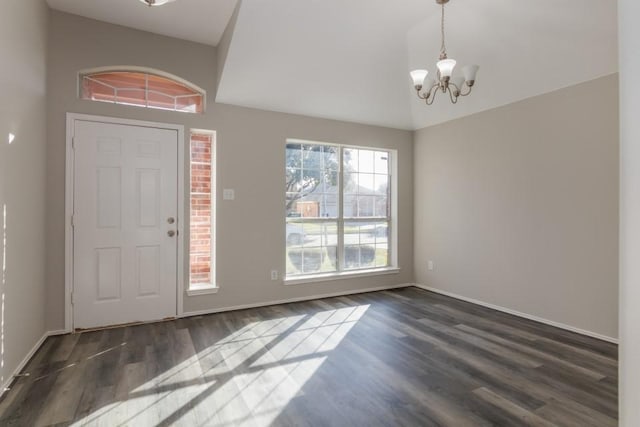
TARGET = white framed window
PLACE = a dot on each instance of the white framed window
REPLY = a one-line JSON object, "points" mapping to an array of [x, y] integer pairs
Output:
{"points": [[202, 213], [340, 210]]}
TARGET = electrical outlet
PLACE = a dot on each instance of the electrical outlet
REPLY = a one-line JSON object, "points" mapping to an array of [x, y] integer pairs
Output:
{"points": [[430, 265], [274, 274], [228, 194]]}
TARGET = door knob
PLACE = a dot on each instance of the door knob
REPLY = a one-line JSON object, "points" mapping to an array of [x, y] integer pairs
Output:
{"points": [[171, 233]]}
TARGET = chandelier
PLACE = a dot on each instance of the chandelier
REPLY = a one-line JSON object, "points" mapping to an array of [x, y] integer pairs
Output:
{"points": [[155, 2], [445, 83]]}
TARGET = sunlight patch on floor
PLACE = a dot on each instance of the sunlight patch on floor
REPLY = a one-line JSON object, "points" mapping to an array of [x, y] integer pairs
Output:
{"points": [[248, 377]]}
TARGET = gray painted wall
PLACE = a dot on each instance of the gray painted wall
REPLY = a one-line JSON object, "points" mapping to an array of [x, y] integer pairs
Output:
{"points": [[250, 152], [222, 50], [629, 213], [518, 206], [23, 31]]}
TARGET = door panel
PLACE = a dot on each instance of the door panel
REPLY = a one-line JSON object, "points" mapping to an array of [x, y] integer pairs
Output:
{"points": [[148, 270], [109, 197], [125, 189], [148, 197], [108, 274]]}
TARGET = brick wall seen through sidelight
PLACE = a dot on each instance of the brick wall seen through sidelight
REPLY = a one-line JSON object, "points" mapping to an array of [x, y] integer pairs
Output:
{"points": [[201, 232]]}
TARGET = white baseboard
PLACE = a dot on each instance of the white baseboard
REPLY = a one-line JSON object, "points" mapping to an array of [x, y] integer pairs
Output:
{"points": [[28, 357], [58, 332], [520, 314], [23, 363], [289, 300]]}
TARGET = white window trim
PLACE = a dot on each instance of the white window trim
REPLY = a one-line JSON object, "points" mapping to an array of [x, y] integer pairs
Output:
{"points": [[195, 289], [393, 267], [342, 275]]}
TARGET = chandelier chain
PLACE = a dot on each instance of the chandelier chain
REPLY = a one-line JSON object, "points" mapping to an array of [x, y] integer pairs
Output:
{"points": [[443, 49]]}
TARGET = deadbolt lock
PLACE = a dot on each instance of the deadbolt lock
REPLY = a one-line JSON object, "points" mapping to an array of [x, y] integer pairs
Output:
{"points": [[171, 220]]}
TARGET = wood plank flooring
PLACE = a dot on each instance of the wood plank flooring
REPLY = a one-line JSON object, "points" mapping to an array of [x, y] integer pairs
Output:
{"points": [[396, 358]]}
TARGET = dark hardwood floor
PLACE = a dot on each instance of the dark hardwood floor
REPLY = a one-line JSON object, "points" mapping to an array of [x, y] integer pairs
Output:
{"points": [[398, 358]]}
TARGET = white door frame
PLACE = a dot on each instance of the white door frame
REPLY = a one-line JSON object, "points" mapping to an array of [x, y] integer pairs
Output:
{"points": [[69, 197]]}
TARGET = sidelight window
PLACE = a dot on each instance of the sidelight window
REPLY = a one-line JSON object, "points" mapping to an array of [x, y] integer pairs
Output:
{"points": [[202, 212]]}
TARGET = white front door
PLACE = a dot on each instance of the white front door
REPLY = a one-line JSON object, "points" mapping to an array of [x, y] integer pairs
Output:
{"points": [[124, 224]]}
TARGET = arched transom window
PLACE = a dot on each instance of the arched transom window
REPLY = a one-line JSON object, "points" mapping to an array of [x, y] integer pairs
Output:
{"points": [[142, 89]]}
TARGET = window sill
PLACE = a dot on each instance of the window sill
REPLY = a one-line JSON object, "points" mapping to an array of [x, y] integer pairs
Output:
{"points": [[341, 276], [202, 289]]}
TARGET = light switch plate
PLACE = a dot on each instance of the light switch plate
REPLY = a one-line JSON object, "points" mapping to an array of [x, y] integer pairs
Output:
{"points": [[228, 194]]}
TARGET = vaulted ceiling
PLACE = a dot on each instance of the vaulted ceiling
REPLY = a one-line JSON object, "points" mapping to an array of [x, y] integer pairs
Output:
{"points": [[201, 21], [349, 60]]}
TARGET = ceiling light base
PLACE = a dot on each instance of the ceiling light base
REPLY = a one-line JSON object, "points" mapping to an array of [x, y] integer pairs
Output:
{"points": [[442, 1], [155, 2]]}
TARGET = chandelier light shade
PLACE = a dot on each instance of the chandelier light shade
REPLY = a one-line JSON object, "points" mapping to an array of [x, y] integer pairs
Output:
{"points": [[445, 82], [469, 72], [446, 66], [155, 2], [419, 76]]}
